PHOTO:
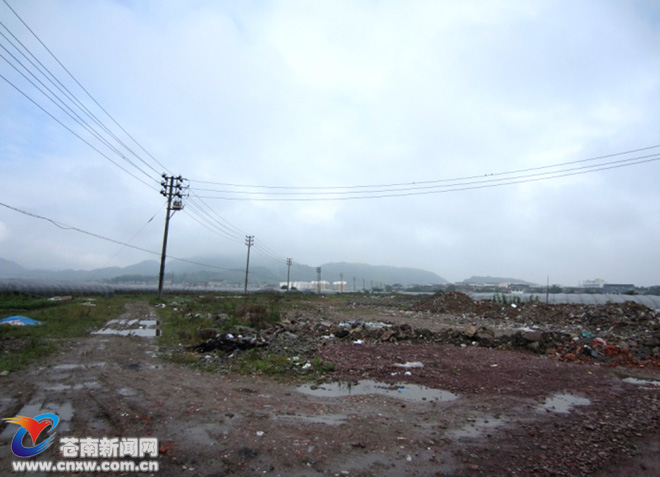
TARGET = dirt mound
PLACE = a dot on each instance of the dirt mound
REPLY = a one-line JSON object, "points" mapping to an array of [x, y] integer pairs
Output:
{"points": [[446, 302]]}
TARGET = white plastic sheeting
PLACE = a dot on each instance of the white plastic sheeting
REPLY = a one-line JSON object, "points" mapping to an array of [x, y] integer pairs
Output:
{"points": [[54, 287], [652, 301]]}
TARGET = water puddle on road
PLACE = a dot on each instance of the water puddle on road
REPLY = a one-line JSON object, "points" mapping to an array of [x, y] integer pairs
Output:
{"points": [[562, 403], [143, 328], [477, 428], [328, 419], [64, 411], [405, 392], [641, 382], [59, 387]]}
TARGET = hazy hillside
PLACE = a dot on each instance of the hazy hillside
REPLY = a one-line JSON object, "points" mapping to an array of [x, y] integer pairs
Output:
{"points": [[11, 270], [479, 280], [232, 269]]}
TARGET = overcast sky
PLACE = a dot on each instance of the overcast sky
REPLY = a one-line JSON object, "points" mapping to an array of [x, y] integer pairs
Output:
{"points": [[308, 100]]}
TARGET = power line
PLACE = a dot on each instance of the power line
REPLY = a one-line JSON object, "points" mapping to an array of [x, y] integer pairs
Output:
{"points": [[198, 217], [415, 183], [80, 85], [207, 213], [77, 135], [108, 239], [49, 76], [72, 114], [63, 98], [425, 190]]}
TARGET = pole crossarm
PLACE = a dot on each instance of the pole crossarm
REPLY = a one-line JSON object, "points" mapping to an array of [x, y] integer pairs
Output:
{"points": [[173, 189]]}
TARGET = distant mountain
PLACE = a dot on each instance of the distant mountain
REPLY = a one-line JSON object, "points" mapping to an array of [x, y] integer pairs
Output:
{"points": [[479, 280], [232, 269], [384, 274], [11, 270]]}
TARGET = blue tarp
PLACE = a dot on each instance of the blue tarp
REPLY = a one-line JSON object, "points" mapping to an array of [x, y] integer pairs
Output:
{"points": [[18, 320]]}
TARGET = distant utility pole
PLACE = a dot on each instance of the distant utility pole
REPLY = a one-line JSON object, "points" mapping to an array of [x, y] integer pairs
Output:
{"points": [[318, 279], [172, 189], [288, 272], [249, 241], [341, 283]]}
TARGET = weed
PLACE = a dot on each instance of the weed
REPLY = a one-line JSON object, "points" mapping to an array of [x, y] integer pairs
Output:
{"points": [[61, 320]]}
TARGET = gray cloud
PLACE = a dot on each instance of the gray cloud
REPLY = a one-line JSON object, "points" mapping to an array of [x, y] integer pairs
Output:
{"points": [[343, 94]]}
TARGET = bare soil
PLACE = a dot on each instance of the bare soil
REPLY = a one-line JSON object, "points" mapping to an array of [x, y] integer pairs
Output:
{"points": [[496, 416]]}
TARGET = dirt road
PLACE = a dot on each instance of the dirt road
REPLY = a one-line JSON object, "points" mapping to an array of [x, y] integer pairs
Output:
{"points": [[410, 409]]}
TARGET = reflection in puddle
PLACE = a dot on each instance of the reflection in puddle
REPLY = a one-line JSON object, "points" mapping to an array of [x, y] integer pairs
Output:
{"points": [[475, 429], [143, 328], [59, 387], [72, 366], [406, 392], [64, 411], [563, 403], [329, 419], [127, 392], [643, 382]]}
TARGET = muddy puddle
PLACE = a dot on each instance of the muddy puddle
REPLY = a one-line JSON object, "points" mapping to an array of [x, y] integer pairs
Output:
{"points": [[562, 403], [642, 382], [405, 392], [327, 419], [143, 328], [476, 428], [64, 411]]}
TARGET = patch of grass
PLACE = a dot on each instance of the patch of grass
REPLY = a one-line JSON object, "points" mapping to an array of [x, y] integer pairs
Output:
{"points": [[20, 302], [257, 361], [61, 320], [321, 366], [181, 317]]}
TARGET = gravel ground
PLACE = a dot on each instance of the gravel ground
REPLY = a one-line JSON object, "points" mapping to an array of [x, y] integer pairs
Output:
{"points": [[387, 409]]}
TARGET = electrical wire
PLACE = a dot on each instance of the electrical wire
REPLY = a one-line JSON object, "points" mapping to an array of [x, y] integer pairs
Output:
{"points": [[80, 85], [46, 82], [73, 115], [63, 98], [78, 135], [108, 239], [415, 183], [457, 187]]}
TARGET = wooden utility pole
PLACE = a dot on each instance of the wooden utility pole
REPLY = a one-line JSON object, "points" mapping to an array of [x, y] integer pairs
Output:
{"points": [[172, 187], [249, 241], [288, 272]]}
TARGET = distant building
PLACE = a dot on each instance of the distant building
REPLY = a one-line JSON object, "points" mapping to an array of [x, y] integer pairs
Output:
{"points": [[339, 286], [518, 287], [597, 283], [298, 286], [322, 285], [618, 287]]}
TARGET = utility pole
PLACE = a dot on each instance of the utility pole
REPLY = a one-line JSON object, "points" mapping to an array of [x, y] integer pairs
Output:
{"points": [[172, 190], [318, 279], [288, 272], [249, 241], [341, 283]]}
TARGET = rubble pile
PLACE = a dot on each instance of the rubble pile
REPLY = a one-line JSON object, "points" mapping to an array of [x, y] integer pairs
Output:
{"points": [[626, 334], [447, 302]]}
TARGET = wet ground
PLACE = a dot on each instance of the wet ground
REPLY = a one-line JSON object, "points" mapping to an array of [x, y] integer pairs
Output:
{"points": [[388, 409]]}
